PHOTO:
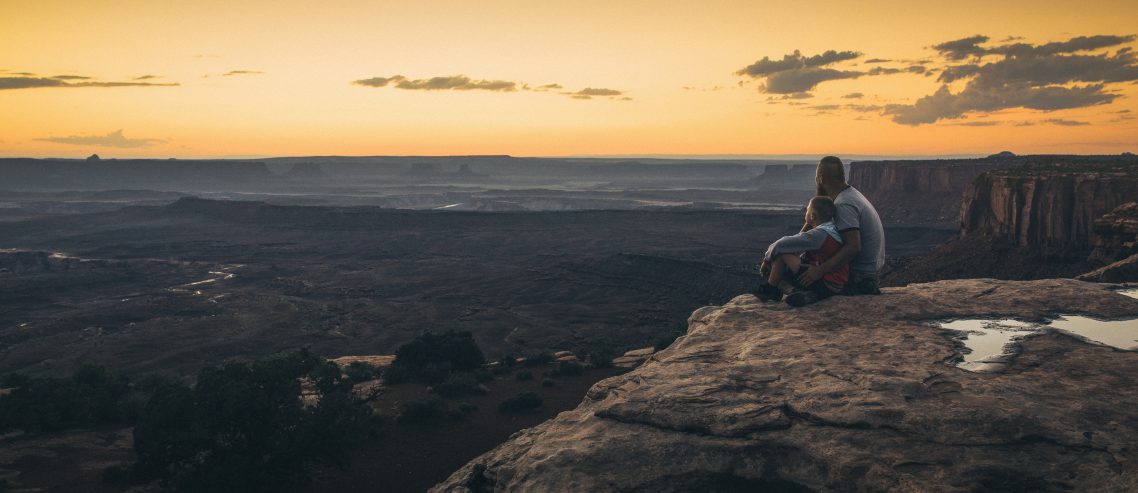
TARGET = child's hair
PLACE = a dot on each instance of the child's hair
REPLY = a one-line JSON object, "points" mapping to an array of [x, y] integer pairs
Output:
{"points": [[823, 208]]}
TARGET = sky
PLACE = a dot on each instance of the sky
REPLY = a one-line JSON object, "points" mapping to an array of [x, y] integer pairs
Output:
{"points": [[235, 78]]}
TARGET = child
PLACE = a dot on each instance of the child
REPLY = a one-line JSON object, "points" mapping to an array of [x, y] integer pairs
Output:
{"points": [[788, 257]]}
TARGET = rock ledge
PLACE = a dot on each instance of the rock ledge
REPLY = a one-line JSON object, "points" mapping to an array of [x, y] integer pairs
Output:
{"points": [[852, 394]]}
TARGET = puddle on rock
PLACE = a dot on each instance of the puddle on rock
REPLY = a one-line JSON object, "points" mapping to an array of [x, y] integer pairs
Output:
{"points": [[990, 342]]}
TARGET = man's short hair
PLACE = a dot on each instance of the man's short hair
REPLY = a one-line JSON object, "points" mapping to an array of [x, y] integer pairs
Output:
{"points": [[832, 169], [823, 207]]}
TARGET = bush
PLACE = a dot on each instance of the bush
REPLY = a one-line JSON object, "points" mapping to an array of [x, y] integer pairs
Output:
{"points": [[601, 358], [521, 402], [242, 426], [523, 375], [358, 371], [508, 361], [459, 384], [431, 353], [548, 382], [467, 408], [539, 359], [90, 397], [429, 409], [568, 368], [483, 376], [396, 374]]}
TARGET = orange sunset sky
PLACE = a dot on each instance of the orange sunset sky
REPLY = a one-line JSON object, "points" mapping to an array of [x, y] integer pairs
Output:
{"points": [[544, 78]]}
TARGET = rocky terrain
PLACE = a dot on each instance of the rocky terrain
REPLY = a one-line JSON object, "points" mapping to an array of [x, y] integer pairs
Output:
{"points": [[1047, 217], [852, 394], [931, 192], [1048, 206]]}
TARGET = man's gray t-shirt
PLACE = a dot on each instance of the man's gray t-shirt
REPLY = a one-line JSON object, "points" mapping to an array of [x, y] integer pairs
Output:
{"points": [[855, 212]]}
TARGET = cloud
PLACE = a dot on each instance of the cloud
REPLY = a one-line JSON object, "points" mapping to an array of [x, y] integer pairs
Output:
{"points": [[793, 95], [241, 72], [464, 83], [943, 104], [378, 81], [796, 73], [883, 71], [877, 60], [147, 77], [1073, 45], [1023, 123], [26, 82], [795, 60], [982, 123], [1065, 123], [589, 91], [448, 83], [805, 79], [113, 139], [1047, 77], [29, 82], [854, 95], [959, 49]]}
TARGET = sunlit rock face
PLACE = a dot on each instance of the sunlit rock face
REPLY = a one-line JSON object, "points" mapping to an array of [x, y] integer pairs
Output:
{"points": [[850, 394], [1051, 205]]}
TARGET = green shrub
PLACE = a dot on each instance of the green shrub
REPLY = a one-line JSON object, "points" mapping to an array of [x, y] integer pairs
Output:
{"points": [[430, 353], [601, 357], [483, 375], [523, 375], [539, 359], [358, 371], [458, 384], [521, 402], [396, 374], [430, 409], [548, 382], [90, 397], [242, 426], [567, 369]]}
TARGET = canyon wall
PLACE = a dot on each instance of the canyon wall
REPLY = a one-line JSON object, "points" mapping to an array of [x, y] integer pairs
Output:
{"points": [[926, 192], [1048, 205]]}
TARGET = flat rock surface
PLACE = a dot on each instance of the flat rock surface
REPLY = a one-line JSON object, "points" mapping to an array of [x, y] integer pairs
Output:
{"points": [[850, 394]]}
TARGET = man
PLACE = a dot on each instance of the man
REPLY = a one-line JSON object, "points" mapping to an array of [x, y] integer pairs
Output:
{"points": [[863, 245]]}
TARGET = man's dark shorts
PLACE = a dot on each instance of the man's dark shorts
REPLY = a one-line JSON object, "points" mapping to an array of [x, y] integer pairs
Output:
{"points": [[861, 283]]}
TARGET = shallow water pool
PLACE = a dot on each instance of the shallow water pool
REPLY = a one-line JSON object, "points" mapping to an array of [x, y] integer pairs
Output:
{"points": [[990, 342]]}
